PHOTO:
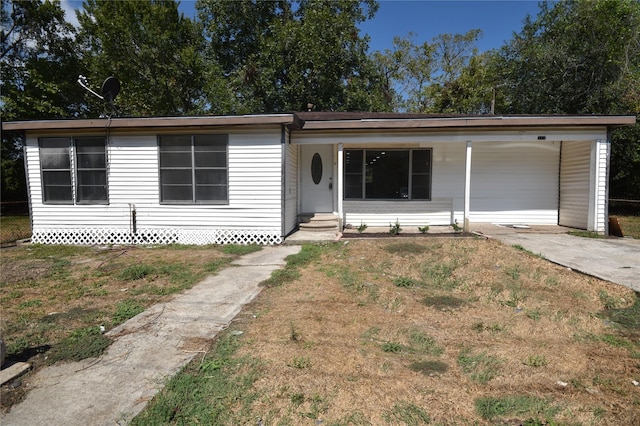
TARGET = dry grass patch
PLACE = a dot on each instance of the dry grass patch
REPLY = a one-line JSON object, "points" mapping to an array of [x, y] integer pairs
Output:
{"points": [[481, 334], [58, 300]]}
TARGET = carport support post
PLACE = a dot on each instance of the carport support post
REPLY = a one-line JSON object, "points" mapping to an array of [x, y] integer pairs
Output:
{"points": [[467, 188], [340, 184]]}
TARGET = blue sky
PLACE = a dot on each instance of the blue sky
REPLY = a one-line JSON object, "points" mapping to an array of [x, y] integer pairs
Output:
{"points": [[497, 19]]}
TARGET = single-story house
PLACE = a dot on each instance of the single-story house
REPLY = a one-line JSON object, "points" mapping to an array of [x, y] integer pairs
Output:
{"points": [[250, 178]]}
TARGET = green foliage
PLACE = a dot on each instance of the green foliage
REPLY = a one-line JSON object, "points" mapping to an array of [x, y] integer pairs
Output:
{"points": [[481, 367], [300, 362], [239, 249], [404, 249], [395, 229], [405, 282], [271, 53], [136, 272], [429, 367], [363, 226], [442, 302], [223, 379], [81, 344], [516, 405], [536, 361], [152, 48], [126, 309], [406, 413], [393, 347], [628, 319], [423, 229]]}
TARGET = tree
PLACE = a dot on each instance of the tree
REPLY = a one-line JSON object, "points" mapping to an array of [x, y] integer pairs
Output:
{"points": [[581, 57], [37, 57], [436, 76], [151, 48], [283, 55]]}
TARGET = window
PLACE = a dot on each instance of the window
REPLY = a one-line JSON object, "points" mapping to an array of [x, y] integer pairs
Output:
{"points": [[193, 169], [57, 170], [387, 174]]}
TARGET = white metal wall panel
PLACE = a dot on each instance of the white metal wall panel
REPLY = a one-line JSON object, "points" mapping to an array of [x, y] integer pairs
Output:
{"points": [[515, 182], [575, 172]]}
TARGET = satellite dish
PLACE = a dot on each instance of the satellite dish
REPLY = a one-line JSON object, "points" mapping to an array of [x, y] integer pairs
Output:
{"points": [[110, 89]]}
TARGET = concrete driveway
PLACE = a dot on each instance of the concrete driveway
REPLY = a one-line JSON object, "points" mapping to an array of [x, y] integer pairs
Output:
{"points": [[612, 259]]}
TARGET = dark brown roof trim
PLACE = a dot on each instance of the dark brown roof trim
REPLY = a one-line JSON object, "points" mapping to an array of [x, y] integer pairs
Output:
{"points": [[148, 122], [329, 121]]}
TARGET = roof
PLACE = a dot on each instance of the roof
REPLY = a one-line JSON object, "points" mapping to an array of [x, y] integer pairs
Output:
{"points": [[330, 121]]}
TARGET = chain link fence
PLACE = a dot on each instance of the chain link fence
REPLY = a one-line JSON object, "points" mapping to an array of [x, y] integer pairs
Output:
{"points": [[15, 223], [624, 217]]}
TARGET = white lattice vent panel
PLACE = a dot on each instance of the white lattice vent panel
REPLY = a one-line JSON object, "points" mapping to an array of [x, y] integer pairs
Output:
{"points": [[155, 236]]}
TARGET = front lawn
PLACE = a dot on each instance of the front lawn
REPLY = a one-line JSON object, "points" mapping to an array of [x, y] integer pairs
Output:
{"points": [[418, 331]]}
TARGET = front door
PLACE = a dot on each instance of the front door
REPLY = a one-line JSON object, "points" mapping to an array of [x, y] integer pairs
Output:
{"points": [[317, 178]]}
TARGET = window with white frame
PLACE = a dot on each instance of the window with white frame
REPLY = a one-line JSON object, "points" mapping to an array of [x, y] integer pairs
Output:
{"points": [[83, 180], [193, 169], [387, 174]]}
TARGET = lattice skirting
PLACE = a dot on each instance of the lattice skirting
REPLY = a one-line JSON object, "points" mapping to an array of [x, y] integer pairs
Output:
{"points": [[155, 236]]}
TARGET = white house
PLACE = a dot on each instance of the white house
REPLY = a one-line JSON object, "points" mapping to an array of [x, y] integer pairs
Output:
{"points": [[249, 179]]}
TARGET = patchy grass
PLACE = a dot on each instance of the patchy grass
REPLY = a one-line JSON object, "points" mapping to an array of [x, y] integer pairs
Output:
{"points": [[586, 234], [14, 228], [484, 340], [54, 299], [630, 226]]}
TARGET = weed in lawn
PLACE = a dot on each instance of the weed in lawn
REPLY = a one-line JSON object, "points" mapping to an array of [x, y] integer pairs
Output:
{"points": [[423, 344], [609, 302], [392, 347], [429, 367], [216, 265], [406, 282], [491, 408], [405, 248], [628, 319], [126, 309], [480, 368], [297, 399], [307, 254], [406, 413], [536, 361], [517, 295], [33, 303], [240, 250], [442, 302], [440, 274], [81, 344], [534, 314], [300, 362], [586, 234], [281, 276], [136, 272], [513, 272]]}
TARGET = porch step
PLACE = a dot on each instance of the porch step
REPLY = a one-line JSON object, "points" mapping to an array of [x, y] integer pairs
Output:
{"points": [[319, 222]]}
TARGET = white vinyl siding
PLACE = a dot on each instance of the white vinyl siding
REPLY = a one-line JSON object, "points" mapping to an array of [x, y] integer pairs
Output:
{"points": [[600, 205], [255, 189], [575, 184]]}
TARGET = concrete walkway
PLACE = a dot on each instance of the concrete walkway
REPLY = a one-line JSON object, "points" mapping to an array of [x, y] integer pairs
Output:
{"points": [[148, 349], [611, 259]]}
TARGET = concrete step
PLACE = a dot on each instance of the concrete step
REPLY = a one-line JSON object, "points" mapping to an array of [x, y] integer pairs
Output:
{"points": [[319, 222]]}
